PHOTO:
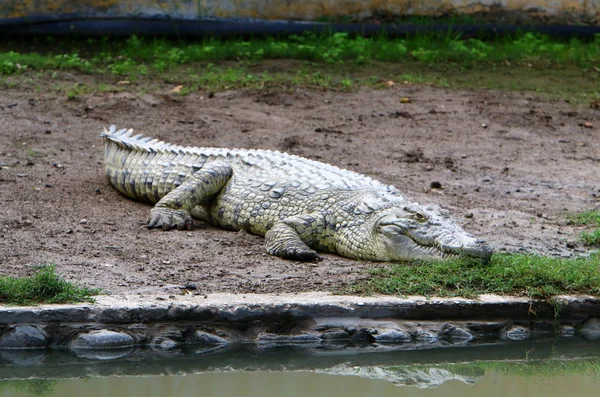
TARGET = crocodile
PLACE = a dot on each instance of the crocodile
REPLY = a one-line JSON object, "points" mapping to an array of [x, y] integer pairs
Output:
{"points": [[300, 206]]}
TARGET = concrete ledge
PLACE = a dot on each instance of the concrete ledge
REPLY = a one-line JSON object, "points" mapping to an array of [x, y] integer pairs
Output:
{"points": [[299, 319]]}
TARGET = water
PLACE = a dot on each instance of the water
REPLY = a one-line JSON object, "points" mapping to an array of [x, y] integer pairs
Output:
{"points": [[550, 369], [292, 384]]}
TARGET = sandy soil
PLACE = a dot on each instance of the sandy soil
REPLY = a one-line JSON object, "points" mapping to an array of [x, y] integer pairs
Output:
{"points": [[509, 165]]}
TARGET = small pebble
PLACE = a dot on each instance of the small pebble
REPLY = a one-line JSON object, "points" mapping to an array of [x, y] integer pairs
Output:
{"points": [[436, 185]]}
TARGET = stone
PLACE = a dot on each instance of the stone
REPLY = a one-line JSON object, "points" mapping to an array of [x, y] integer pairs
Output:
{"points": [[425, 336], [453, 333], [335, 334], [102, 339], [391, 336], [591, 329], [24, 337], [168, 344], [515, 333], [566, 331], [293, 339], [206, 338]]}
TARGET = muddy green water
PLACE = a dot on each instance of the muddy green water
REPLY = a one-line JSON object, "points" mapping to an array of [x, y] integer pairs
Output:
{"points": [[292, 384], [554, 369]]}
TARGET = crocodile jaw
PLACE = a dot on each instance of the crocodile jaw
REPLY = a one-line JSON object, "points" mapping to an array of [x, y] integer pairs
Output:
{"points": [[454, 246], [418, 232]]}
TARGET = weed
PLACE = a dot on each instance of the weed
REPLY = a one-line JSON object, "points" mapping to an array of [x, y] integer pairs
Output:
{"points": [[8, 67], [34, 153], [72, 95], [45, 286]]}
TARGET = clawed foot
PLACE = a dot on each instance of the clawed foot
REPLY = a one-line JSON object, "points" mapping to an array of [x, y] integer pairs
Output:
{"points": [[168, 219], [304, 256], [298, 254]]}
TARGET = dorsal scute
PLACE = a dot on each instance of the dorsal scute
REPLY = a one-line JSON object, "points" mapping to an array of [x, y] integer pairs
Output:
{"points": [[268, 161]]}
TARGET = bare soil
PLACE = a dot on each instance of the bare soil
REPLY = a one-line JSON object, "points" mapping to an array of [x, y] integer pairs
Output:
{"points": [[510, 166]]}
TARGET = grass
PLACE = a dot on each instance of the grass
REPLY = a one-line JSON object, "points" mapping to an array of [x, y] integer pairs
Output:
{"points": [[335, 61], [507, 274], [45, 286], [591, 219], [591, 238], [141, 56]]}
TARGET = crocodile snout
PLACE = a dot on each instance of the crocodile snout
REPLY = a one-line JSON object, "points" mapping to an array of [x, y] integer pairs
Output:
{"points": [[479, 249]]}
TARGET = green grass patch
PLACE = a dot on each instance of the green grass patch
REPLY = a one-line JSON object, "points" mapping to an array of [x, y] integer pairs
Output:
{"points": [[141, 56], [591, 238], [591, 219], [562, 69], [586, 218], [507, 274], [45, 286]]}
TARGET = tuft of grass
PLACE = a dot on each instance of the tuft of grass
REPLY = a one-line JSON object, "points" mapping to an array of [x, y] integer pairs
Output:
{"points": [[591, 238], [534, 276], [45, 286], [588, 218]]}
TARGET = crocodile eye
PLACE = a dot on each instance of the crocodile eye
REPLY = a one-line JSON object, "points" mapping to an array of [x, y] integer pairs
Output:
{"points": [[420, 217]]}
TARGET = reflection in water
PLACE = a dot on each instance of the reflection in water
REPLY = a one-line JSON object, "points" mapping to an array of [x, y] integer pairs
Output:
{"points": [[419, 376], [297, 384], [554, 369]]}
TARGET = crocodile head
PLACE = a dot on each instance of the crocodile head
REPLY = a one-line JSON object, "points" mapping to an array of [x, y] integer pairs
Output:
{"points": [[412, 231]]}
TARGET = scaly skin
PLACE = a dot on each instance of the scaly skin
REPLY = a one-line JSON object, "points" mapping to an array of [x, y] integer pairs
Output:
{"points": [[300, 206]]}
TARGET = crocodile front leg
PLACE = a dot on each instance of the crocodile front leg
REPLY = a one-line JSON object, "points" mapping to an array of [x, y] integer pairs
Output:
{"points": [[290, 238], [173, 210]]}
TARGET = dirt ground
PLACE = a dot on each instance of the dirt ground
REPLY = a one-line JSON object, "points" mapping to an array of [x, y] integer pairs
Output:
{"points": [[510, 165]]}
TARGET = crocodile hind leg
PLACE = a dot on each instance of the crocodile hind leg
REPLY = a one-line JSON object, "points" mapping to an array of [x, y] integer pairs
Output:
{"points": [[290, 238], [174, 209]]}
